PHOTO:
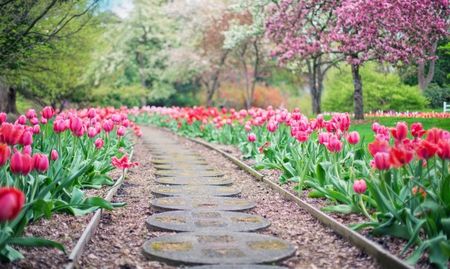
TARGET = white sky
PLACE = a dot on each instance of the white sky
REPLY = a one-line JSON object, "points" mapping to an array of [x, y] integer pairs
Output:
{"points": [[122, 8]]}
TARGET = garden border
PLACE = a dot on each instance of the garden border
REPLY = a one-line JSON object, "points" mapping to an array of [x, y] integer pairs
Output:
{"points": [[92, 226], [384, 257]]}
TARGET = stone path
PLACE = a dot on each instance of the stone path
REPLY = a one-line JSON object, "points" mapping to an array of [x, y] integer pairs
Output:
{"points": [[212, 233]]}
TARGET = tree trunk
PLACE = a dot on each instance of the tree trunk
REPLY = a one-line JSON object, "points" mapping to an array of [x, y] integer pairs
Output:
{"points": [[215, 80], [3, 96], [425, 79], [358, 93], [315, 84], [255, 73]]}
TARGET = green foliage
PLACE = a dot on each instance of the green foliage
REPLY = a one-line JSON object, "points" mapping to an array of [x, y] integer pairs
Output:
{"points": [[382, 91], [125, 96], [437, 95]]}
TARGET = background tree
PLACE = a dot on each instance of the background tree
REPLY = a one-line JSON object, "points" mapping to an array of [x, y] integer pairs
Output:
{"points": [[26, 26]]}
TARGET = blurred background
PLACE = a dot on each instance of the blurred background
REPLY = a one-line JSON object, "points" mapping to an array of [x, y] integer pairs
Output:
{"points": [[183, 53]]}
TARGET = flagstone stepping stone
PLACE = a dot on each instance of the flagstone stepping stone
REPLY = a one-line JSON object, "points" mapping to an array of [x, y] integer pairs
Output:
{"points": [[218, 248], [178, 161], [184, 173], [195, 190], [237, 266], [218, 181], [182, 166], [203, 220], [202, 202]]}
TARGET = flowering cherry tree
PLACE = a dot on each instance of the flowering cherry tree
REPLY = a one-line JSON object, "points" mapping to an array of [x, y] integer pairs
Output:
{"points": [[389, 31], [359, 30], [301, 31]]}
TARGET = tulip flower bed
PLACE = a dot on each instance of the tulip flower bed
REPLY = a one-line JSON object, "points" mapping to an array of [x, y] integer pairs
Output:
{"points": [[399, 182], [48, 160]]}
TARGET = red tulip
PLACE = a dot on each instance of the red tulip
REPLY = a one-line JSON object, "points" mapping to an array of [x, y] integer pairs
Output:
{"points": [[12, 201], [48, 112], [54, 155], [123, 163], [10, 133], [5, 152], [444, 149], [434, 135], [381, 161], [378, 146], [3, 117], [360, 186], [40, 162], [400, 131], [426, 149], [399, 156], [353, 138], [417, 129], [251, 137], [21, 163]]}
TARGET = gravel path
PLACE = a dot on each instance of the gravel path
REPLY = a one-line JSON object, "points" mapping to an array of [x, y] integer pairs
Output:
{"points": [[121, 234]]}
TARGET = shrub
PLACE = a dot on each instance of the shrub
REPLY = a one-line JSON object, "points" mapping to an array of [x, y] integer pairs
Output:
{"points": [[382, 91], [437, 95]]}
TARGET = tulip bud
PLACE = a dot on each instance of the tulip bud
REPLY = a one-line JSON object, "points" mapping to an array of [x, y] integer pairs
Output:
{"points": [[22, 120], [92, 132], [121, 131], [54, 155], [27, 150], [251, 137], [360, 186], [353, 138], [108, 126], [99, 143], [36, 129], [3, 117]]}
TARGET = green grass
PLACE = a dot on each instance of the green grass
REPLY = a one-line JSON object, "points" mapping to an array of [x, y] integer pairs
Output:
{"points": [[365, 129]]}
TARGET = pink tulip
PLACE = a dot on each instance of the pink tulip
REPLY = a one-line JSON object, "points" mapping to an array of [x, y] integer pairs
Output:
{"points": [[251, 137], [31, 113], [92, 132], [22, 120], [48, 112], [40, 162], [108, 126], [36, 129], [121, 131], [360, 186], [334, 144], [27, 138], [381, 161], [353, 138], [21, 163], [98, 143], [54, 155]]}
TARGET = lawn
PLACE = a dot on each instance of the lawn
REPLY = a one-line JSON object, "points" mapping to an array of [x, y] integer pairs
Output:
{"points": [[365, 129]]}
